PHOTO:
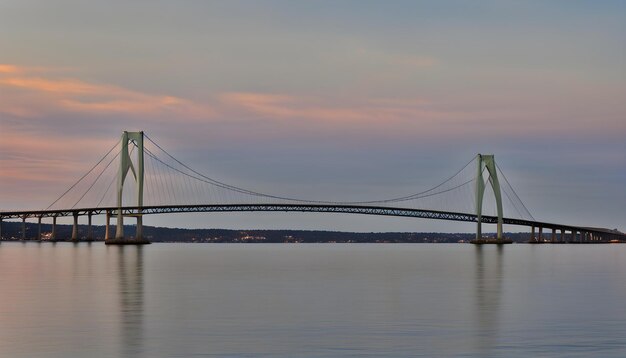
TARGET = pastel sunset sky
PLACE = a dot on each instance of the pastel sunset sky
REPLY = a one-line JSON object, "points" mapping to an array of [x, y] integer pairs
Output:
{"points": [[319, 98]]}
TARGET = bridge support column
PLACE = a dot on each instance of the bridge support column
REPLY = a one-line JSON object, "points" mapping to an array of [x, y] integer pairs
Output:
{"points": [[139, 232], [119, 226], [89, 227], [75, 227], [0, 229], [562, 235], [107, 222], [553, 236], [532, 235], [23, 227], [53, 234], [540, 238], [39, 228]]}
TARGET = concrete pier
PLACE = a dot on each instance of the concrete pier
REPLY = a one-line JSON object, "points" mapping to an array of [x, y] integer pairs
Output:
{"points": [[75, 227], [122, 240], [53, 234], [107, 222], [89, 227]]}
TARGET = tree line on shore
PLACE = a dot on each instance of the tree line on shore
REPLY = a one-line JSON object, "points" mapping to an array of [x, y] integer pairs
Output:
{"points": [[13, 231]]}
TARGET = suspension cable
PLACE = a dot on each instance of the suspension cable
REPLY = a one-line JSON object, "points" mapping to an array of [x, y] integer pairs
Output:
{"points": [[250, 192], [83, 177], [514, 193], [98, 177]]}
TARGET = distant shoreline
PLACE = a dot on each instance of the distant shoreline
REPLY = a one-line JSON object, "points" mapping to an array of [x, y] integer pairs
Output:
{"points": [[12, 231]]}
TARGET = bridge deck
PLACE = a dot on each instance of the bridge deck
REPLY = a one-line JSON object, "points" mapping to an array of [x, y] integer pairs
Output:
{"points": [[319, 208]]}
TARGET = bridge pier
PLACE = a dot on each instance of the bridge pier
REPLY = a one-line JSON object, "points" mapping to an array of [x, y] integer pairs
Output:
{"points": [[23, 227], [0, 228], [75, 227], [39, 228], [120, 239], [106, 226], [89, 227], [139, 232], [553, 237], [119, 225], [53, 234], [540, 234], [562, 236], [532, 235]]}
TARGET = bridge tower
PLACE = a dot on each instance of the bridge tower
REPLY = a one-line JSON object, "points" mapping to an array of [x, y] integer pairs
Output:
{"points": [[487, 162], [126, 164]]}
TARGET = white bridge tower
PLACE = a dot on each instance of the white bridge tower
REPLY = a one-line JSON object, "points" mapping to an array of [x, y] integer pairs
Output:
{"points": [[137, 169], [487, 162]]}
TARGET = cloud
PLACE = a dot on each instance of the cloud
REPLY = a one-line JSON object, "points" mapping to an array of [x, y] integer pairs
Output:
{"points": [[38, 166], [284, 107], [320, 109], [9, 68], [61, 87], [32, 95]]}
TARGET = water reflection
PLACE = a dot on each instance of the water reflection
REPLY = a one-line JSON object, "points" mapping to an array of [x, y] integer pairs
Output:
{"points": [[488, 293], [131, 287]]}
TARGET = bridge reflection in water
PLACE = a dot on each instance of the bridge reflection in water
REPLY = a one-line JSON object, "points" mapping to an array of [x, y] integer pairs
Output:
{"points": [[488, 279], [130, 275]]}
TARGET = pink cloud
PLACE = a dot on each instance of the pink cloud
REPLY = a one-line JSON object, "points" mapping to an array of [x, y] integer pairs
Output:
{"points": [[30, 92], [38, 95], [5, 68], [45, 164], [62, 87], [373, 111]]}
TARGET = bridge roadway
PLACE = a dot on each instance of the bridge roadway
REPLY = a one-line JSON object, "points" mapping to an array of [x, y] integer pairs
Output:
{"points": [[319, 208]]}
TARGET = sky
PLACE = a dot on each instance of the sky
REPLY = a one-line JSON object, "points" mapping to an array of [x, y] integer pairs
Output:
{"points": [[319, 98]]}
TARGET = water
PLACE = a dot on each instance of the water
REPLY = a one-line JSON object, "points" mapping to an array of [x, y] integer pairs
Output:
{"points": [[312, 300]]}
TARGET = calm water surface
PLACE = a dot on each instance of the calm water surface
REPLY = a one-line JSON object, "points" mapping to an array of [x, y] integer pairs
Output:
{"points": [[310, 300]]}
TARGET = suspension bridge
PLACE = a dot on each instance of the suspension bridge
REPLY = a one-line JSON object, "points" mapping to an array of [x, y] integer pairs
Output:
{"points": [[138, 177]]}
